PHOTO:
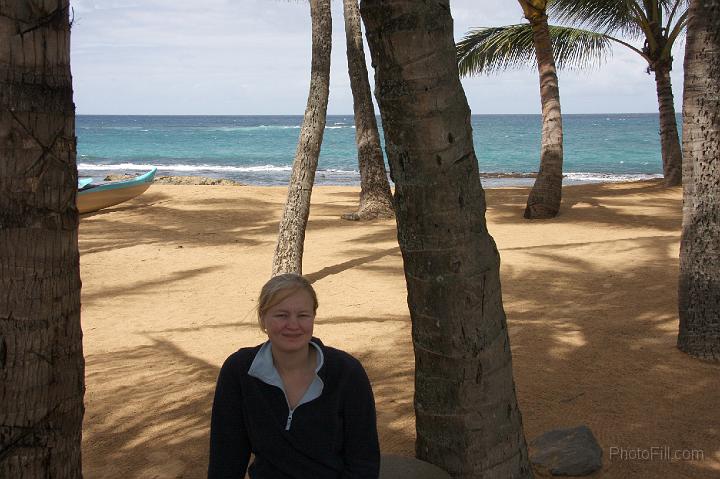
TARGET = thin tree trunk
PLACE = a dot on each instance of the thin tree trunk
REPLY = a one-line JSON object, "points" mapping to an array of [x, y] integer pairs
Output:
{"points": [[699, 282], [544, 199], [669, 139], [291, 238], [375, 196], [41, 359], [467, 416]]}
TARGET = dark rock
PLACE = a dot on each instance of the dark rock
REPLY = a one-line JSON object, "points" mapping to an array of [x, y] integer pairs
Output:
{"points": [[566, 452]]}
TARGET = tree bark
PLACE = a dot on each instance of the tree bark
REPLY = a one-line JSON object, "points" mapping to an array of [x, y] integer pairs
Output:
{"points": [[375, 196], [467, 416], [291, 237], [699, 281], [544, 199], [41, 359], [669, 139]]}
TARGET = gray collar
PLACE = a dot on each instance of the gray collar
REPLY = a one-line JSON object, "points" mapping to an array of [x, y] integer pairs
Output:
{"points": [[264, 369]]}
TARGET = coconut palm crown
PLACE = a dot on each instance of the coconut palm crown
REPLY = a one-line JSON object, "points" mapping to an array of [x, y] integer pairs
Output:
{"points": [[587, 31]]}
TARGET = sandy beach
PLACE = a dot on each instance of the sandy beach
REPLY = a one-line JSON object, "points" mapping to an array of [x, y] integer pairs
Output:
{"points": [[170, 281]]}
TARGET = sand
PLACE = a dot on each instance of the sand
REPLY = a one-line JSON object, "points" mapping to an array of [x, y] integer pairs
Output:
{"points": [[170, 280]]}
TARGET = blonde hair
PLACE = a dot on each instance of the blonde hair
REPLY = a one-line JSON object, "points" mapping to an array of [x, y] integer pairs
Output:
{"points": [[280, 287]]}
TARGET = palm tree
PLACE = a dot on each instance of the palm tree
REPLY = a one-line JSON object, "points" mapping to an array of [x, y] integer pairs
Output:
{"points": [[375, 196], [291, 238], [659, 23], [467, 417], [699, 284], [41, 359], [545, 196]]}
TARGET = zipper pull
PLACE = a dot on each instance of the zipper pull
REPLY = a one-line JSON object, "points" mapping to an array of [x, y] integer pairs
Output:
{"points": [[289, 420]]}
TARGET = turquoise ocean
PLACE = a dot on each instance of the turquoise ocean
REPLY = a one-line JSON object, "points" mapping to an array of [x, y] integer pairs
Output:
{"points": [[259, 150]]}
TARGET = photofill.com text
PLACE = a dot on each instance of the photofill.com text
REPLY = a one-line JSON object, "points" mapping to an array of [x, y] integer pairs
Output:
{"points": [[655, 453]]}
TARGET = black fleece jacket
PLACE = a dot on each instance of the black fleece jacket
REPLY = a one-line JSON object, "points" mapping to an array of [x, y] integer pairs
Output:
{"points": [[333, 436]]}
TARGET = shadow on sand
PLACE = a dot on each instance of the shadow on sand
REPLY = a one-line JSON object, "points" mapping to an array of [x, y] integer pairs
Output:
{"points": [[587, 347]]}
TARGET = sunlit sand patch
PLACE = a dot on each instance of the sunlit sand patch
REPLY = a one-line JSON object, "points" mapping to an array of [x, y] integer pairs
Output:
{"points": [[666, 323], [710, 461], [569, 341], [639, 344], [572, 338]]}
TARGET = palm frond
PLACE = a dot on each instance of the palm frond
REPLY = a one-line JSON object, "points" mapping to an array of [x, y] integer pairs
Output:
{"points": [[677, 14], [578, 48], [624, 17], [493, 49], [629, 18]]}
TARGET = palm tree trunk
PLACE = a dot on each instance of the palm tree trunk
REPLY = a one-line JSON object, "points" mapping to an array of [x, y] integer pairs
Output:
{"points": [[545, 196], [699, 282], [375, 196], [291, 238], [41, 359], [669, 139], [467, 417]]}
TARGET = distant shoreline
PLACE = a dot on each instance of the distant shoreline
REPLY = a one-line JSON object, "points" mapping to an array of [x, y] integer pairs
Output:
{"points": [[295, 115]]}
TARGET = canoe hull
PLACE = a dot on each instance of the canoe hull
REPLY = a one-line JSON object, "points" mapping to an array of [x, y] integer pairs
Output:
{"points": [[113, 193], [94, 201]]}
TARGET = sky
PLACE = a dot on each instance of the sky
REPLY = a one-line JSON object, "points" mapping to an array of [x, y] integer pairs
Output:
{"points": [[252, 57]]}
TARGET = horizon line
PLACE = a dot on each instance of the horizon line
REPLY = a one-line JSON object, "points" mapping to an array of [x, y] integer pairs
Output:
{"points": [[351, 114]]}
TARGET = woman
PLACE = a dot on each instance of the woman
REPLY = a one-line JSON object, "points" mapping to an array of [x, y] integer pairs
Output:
{"points": [[305, 410]]}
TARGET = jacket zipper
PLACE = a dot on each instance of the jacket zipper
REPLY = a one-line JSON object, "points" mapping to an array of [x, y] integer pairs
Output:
{"points": [[289, 419], [290, 411]]}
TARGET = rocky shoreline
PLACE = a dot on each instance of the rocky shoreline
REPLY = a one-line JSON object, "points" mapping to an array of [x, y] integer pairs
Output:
{"points": [[181, 180]]}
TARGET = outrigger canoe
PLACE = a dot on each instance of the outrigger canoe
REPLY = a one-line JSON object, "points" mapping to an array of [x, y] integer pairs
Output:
{"points": [[93, 196]]}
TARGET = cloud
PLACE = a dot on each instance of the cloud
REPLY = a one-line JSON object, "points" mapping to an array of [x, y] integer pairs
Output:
{"points": [[253, 57]]}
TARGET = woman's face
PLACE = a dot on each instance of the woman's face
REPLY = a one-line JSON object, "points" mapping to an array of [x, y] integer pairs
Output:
{"points": [[289, 324]]}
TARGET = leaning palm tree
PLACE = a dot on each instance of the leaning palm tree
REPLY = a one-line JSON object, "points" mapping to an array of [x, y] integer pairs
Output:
{"points": [[545, 196], [291, 237], [658, 23], [41, 360], [699, 284], [467, 415], [375, 196]]}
